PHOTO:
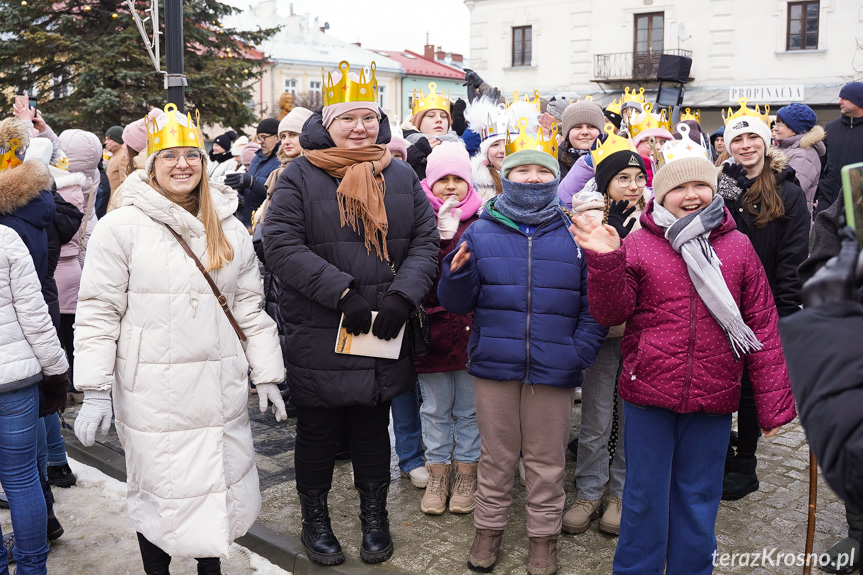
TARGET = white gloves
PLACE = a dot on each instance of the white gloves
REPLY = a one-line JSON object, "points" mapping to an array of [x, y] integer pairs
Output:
{"points": [[270, 391], [95, 412], [448, 219]]}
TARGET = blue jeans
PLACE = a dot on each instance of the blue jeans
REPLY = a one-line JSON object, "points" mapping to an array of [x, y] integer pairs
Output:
{"points": [[55, 441], [20, 479], [408, 430], [593, 470], [449, 414], [675, 463]]}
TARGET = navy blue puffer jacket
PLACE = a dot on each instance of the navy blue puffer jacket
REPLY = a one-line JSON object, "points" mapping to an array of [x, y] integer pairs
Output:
{"points": [[528, 295]]}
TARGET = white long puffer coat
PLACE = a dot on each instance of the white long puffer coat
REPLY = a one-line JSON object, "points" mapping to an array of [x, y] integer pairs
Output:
{"points": [[28, 341], [148, 320]]}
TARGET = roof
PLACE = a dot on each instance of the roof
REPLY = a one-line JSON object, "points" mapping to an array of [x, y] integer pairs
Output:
{"points": [[418, 65]]}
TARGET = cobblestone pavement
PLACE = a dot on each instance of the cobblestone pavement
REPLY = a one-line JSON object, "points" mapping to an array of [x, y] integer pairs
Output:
{"points": [[772, 518]]}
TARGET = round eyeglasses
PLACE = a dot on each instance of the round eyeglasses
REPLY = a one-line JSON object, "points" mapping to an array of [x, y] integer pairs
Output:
{"points": [[170, 159]]}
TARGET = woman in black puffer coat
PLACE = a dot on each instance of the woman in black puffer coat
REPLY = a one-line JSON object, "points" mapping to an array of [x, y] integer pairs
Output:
{"points": [[339, 213], [762, 194]]}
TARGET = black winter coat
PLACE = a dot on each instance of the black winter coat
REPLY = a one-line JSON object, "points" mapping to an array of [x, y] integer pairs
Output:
{"points": [[316, 260], [826, 370], [844, 143], [782, 244]]}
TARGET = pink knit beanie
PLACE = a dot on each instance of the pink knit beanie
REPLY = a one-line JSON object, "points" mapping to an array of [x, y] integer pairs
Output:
{"points": [[249, 152], [135, 134], [448, 158]]}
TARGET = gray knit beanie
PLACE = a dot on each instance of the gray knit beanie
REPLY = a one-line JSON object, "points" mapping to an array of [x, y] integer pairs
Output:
{"points": [[584, 112]]}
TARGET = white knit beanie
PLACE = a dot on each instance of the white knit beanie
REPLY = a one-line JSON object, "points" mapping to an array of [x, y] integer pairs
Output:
{"points": [[747, 125], [294, 120]]}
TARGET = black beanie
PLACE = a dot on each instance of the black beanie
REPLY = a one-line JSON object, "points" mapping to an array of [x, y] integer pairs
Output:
{"points": [[613, 118], [268, 126], [613, 165], [225, 140]]}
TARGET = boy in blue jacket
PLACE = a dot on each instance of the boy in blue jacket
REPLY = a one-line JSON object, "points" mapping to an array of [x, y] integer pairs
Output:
{"points": [[520, 272]]}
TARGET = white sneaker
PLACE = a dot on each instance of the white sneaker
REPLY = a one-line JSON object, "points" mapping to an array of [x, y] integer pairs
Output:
{"points": [[521, 471], [577, 397], [419, 477]]}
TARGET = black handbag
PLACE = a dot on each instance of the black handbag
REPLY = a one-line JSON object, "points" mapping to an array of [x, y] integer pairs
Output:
{"points": [[417, 329]]}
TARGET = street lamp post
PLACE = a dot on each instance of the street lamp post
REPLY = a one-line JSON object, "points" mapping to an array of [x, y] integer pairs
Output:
{"points": [[175, 80]]}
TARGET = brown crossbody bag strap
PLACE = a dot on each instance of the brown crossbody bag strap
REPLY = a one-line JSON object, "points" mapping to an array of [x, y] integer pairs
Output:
{"points": [[223, 302]]}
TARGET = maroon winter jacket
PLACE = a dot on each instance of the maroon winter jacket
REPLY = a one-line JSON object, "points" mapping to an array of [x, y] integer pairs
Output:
{"points": [[450, 332], [675, 355]]}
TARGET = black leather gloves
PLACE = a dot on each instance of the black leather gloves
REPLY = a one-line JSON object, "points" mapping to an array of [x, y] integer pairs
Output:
{"points": [[239, 181], [618, 213], [393, 314], [358, 313]]}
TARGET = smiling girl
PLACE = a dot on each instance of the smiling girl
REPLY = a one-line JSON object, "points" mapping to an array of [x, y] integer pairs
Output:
{"points": [[684, 349]]}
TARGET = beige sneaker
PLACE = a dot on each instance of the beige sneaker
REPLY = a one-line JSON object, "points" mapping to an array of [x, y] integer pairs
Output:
{"points": [[463, 488], [542, 555], [419, 477], [521, 471], [577, 519], [483, 551], [610, 520], [437, 491]]}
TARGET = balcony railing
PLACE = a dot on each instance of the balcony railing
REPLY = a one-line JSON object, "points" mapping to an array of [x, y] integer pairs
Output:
{"points": [[630, 65]]}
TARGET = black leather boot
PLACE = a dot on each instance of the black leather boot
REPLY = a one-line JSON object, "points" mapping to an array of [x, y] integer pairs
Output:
{"points": [[377, 544], [209, 566], [740, 480], [322, 547]]}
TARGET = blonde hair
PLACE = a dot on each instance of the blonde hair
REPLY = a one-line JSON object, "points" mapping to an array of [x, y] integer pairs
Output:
{"points": [[219, 249]]}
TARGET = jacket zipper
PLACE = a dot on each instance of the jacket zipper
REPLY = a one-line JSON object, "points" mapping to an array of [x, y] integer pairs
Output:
{"points": [[529, 291], [687, 380]]}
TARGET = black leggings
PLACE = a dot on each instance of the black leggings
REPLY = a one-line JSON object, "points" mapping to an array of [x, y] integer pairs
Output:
{"points": [[156, 561], [67, 338], [748, 430], [318, 432]]}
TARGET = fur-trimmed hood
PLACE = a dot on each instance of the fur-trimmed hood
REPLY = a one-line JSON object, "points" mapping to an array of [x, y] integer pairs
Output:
{"points": [[813, 137], [13, 128], [778, 160], [64, 179], [21, 184]]}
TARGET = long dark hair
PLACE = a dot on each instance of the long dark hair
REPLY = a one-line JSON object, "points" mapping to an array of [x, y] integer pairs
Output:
{"points": [[762, 199]]}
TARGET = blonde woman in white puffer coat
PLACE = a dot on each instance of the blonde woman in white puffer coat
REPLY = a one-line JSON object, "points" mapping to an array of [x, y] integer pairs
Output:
{"points": [[149, 329]]}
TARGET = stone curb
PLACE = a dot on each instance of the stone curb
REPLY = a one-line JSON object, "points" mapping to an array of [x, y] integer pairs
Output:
{"points": [[281, 549]]}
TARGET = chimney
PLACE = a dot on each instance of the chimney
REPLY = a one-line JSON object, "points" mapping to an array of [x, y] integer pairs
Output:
{"points": [[428, 51], [440, 55], [358, 44], [457, 57]]}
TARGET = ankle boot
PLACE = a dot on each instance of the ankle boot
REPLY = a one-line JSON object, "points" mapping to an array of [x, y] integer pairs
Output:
{"points": [[484, 549], [464, 488], [741, 479], [437, 491], [55, 530], [209, 566], [377, 544], [322, 547], [542, 555]]}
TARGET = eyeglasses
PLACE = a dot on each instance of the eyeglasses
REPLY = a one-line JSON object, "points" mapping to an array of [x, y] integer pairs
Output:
{"points": [[261, 138], [624, 181], [170, 159], [348, 123]]}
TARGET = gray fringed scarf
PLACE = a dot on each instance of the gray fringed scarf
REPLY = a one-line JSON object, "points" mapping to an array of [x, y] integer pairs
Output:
{"points": [[689, 237]]}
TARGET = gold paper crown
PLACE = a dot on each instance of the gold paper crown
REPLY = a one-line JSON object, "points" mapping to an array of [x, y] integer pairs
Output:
{"points": [[497, 124], [525, 141], [9, 160], [614, 107], [690, 116], [680, 149], [613, 143], [173, 130], [746, 111], [535, 102], [634, 96], [433, 101], [347, 90], [648, 120]]}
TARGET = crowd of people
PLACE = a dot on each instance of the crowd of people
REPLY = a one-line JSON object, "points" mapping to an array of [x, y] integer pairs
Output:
{"points": [[507, 253]]}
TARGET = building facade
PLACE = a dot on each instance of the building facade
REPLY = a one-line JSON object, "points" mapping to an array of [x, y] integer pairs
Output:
{"points": [[771, 51]]}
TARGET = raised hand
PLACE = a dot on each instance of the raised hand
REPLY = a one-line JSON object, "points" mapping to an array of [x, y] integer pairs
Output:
{"points": [[736, 172], [461, 257], [448, 219], [618, 213], [595, 237]]}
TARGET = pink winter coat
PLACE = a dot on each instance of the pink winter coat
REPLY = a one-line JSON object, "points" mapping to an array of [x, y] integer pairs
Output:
{"points": [[675, 355], [68, 272]]}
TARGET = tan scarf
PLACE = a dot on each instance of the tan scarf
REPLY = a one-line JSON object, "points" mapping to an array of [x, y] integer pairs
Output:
{"points": [[362, 189]]}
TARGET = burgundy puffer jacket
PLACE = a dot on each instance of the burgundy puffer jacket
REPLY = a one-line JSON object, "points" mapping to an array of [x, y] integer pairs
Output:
{"points": [[450, 332], [675, 355]]}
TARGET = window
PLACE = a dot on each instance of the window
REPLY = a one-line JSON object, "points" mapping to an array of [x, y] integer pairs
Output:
{"points": [[648, 44], [382, 96], [291, 86], [522, 45], [802, 26], [315, 87]]}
